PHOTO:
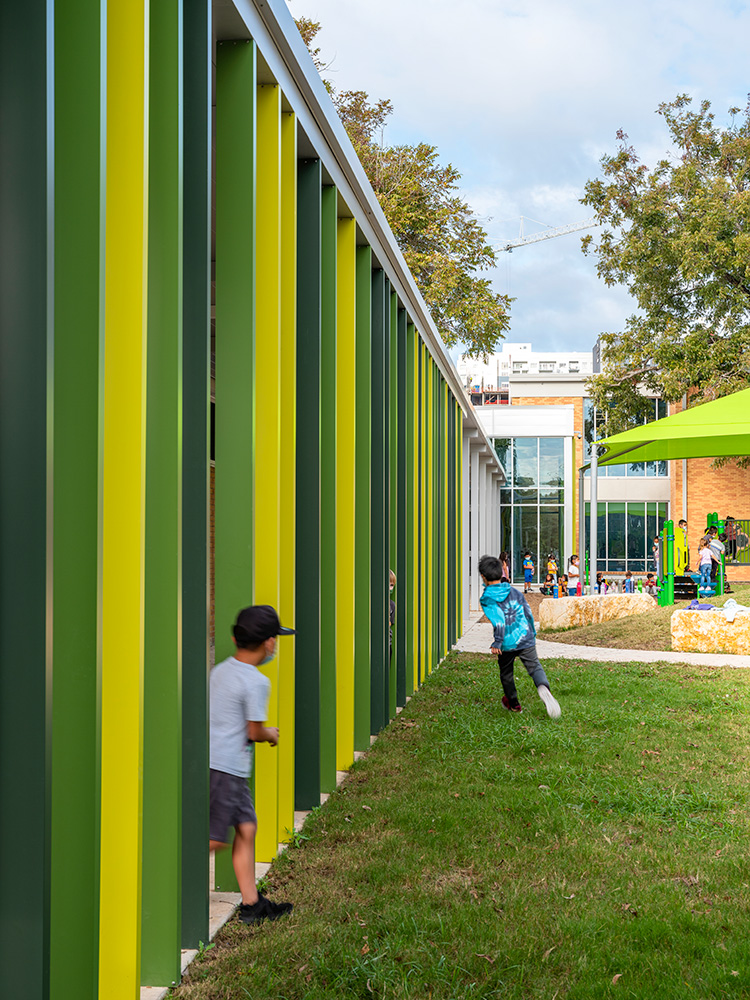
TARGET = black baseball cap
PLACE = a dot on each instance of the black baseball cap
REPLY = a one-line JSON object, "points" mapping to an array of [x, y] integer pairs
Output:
{"points": [[260, 622]]}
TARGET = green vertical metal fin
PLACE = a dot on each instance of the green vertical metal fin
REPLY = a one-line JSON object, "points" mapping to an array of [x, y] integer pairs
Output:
{"points": [[328, 579], [74, 876], [409, 583], [403, 630], [235, 349], [419, 458], [395, 540], [25, 401], [196, 348], [162, 714], [379, 508], [308, 568], [363, 596], [452, 520]]}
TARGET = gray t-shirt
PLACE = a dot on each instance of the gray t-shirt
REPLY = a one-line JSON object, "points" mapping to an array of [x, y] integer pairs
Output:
{"points": [[239, 694]]}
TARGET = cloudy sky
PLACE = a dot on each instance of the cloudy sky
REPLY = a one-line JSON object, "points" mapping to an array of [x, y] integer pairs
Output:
{"points": [[524, 98]]}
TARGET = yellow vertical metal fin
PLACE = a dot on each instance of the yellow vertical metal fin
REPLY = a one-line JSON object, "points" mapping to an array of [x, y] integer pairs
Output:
{"points": [[123, 500], [267, 390], [288, 478], [345, 489]]}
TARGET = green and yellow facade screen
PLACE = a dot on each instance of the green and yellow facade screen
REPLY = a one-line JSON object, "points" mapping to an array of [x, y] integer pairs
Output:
{"points": [[126, 261]]}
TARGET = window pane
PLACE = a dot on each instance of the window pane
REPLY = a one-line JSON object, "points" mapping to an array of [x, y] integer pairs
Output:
{"points": [[615, 565], [551, 461], [503, 449], [525, 461], [550, 535], [548, 495], [506, 530], [636, 469], [636, 531], [617, 470], [524, 537], [637, 565], [662, 469], [505, 496], [525, 496], [616, 524], [661, 408]]}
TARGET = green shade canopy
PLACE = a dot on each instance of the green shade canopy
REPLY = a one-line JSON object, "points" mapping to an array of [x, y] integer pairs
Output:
{"points": [[719, 429]]}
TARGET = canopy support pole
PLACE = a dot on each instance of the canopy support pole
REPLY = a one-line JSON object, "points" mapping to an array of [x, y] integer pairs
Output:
{"points": [[594, 522]]}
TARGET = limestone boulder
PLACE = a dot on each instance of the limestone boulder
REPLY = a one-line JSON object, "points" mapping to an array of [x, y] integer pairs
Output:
{"points": [[710, 632], [569, 612]]}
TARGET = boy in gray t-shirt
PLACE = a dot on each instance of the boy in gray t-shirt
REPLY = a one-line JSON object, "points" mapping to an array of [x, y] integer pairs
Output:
{"points": [[238, 708]]}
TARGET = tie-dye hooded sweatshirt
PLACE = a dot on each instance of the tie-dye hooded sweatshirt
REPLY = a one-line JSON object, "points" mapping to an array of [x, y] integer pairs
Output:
{"points": [[511, 616]]}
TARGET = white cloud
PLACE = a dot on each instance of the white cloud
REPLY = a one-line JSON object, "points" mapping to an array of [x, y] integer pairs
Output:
{"points": [[524, 98]]}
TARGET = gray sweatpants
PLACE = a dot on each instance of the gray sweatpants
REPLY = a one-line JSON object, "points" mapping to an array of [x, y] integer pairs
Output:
{"points": [[527, 656]]}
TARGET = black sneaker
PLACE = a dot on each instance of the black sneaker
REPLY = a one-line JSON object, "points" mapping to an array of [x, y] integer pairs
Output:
{"points": [[264, 909]]}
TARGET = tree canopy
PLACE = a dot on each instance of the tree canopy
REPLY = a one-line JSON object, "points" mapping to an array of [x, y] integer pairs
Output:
{"points": [[678, 237], [443, 242]]}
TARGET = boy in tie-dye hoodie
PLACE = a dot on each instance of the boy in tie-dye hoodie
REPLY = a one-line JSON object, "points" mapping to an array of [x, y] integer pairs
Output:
{"points": [[514, 636]]}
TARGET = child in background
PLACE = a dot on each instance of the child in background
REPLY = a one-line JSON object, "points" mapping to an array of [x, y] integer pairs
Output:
{"points": [[528, 572], [552, 566], [514, 636], [548, 585], [505, 563], [705, 562], [650, 585], [574, 575], [601, 584], [628, 586], [562, 584]]}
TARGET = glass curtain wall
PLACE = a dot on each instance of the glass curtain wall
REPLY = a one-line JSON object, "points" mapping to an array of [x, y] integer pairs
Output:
{"points": [[531, 504], [594, 422], [625, 535]]}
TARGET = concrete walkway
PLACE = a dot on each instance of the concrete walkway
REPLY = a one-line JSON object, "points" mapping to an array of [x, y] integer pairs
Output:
{"points": [[477, 638]]}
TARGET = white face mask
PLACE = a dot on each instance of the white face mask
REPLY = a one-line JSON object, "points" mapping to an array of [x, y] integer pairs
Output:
{"points": [[267, 658]]}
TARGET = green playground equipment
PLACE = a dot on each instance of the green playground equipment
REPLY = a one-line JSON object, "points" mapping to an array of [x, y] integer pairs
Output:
{"points": [[672, 565]]}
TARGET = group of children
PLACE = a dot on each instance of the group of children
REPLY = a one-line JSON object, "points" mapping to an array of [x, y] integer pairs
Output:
{"points": [[711, 549]]}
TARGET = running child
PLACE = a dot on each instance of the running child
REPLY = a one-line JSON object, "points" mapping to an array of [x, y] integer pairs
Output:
{"points": [[528, 572], [514, 636]]}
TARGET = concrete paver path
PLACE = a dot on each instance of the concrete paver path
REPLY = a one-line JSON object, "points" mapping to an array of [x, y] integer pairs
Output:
{"points": [[477, 638]]}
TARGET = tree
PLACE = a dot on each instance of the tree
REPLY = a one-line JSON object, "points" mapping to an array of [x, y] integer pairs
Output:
{"points": [[443, 242], [678, 237]]}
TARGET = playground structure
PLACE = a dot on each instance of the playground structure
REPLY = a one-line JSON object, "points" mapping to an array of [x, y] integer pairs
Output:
{"points": [[674, 579]]}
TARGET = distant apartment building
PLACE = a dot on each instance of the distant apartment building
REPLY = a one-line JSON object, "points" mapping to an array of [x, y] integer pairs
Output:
{"points": [[488, 383]]}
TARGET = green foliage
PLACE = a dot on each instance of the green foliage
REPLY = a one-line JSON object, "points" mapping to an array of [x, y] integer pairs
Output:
{"points": [[443, 243], [678, 237]]}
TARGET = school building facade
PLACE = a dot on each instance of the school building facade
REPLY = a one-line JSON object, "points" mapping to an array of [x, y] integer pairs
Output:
{"points": [[219, 385], [542, 428]]}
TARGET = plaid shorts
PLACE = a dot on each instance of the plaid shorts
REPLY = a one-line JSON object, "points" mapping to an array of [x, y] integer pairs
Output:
{"points": [[231, 804]]}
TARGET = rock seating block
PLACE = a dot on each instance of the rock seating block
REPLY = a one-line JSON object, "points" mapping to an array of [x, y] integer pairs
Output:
{"points": [[709, 632], [569, 612]]}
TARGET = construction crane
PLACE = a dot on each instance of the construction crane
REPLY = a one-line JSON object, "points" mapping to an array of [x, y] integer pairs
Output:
{"points": [[547, 234]]}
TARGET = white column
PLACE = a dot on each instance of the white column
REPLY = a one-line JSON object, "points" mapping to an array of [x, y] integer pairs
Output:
{"points": [[475, 503], [568, 518], [465, 540]]}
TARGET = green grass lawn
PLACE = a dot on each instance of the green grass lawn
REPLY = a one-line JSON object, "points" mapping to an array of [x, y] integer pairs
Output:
{"points": [[646, 631], [478, 853]]}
